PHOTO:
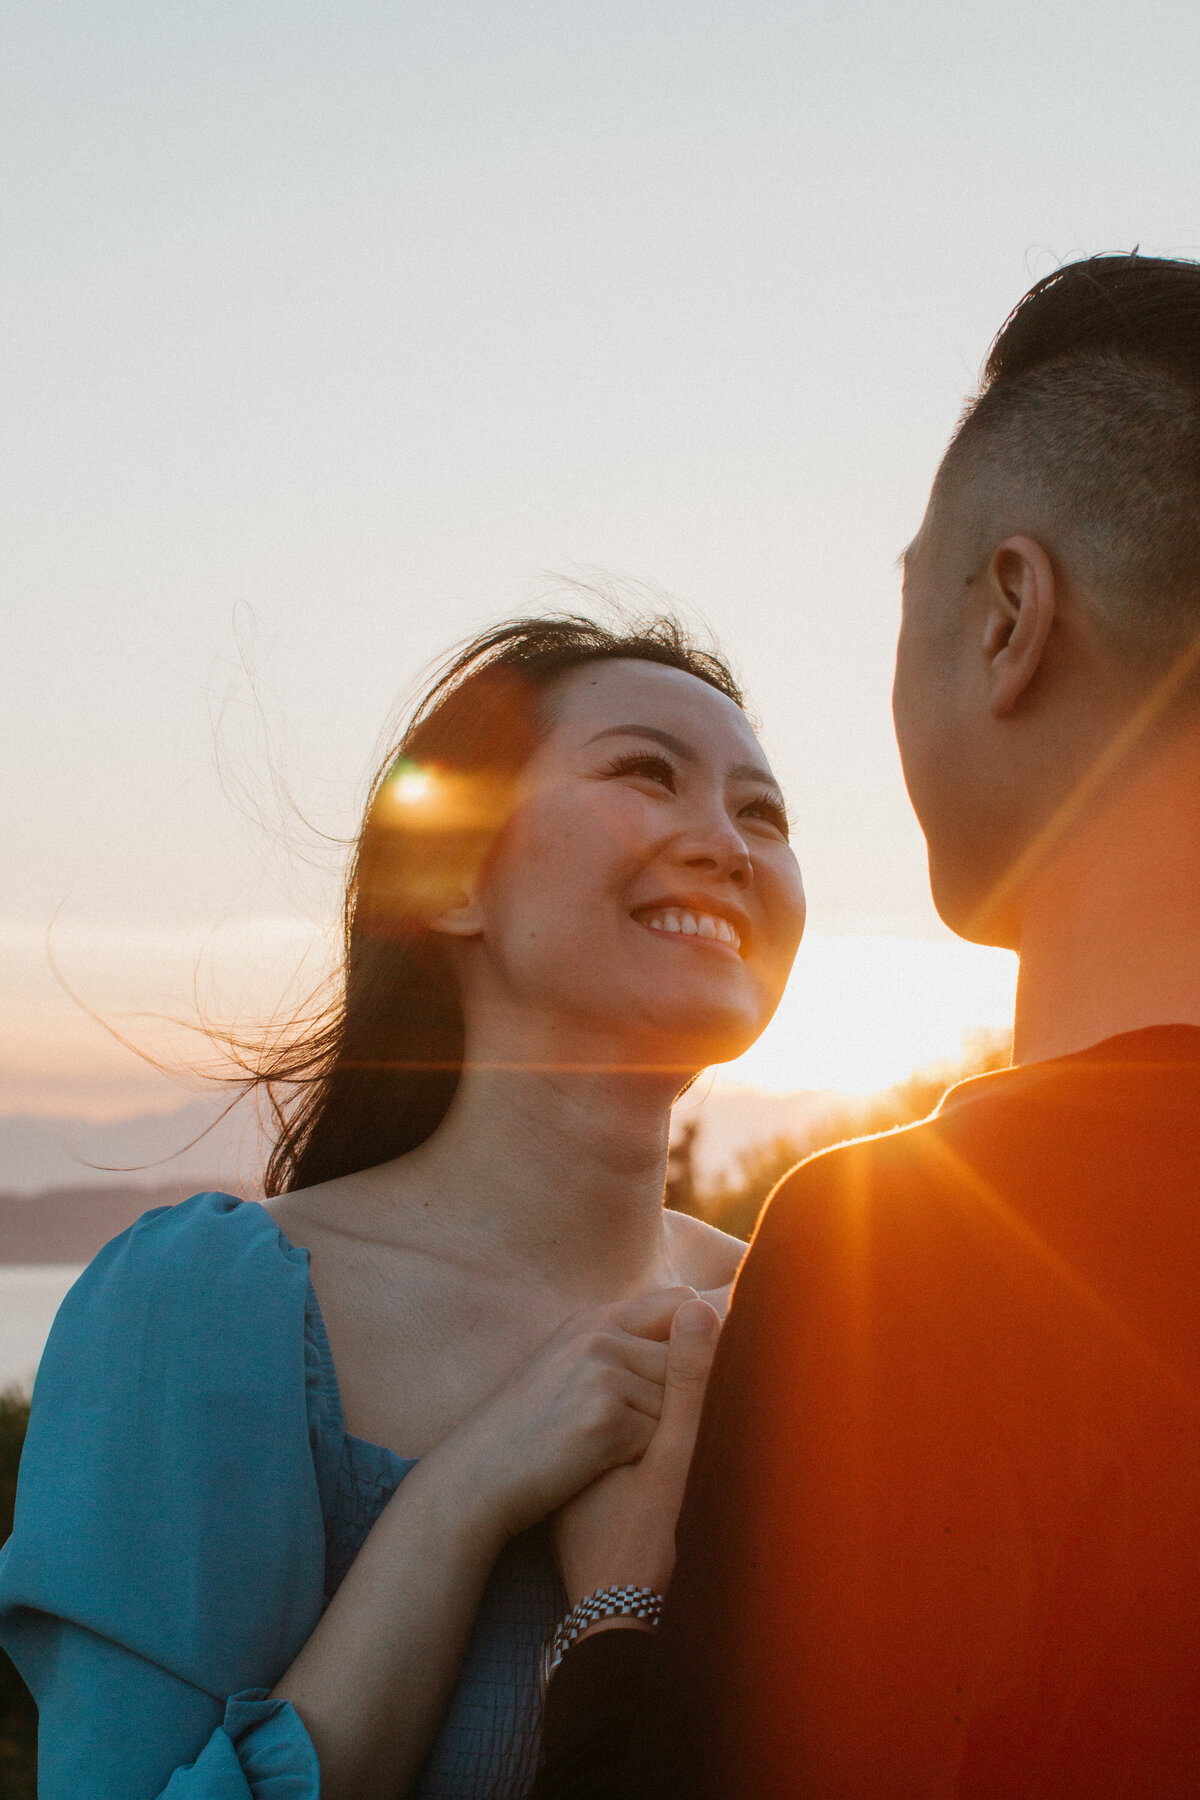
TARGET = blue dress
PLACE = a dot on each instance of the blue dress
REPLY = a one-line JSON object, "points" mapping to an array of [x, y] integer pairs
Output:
{"points": [[189, 1499]]}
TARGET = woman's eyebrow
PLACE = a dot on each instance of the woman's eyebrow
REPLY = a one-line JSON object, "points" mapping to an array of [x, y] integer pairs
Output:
{"points": [[752, 772], [741, 772], [648, 731]]}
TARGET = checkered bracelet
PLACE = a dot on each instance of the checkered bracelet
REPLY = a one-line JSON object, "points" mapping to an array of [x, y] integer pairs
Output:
{"points": [[606, 1603]]}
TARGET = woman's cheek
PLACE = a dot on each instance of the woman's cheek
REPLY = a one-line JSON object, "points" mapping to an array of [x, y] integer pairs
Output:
{"points": [[786, 904]]}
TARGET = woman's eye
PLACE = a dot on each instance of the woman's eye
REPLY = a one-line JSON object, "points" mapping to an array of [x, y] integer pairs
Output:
{"points": [[771, 811], [650, 768]]}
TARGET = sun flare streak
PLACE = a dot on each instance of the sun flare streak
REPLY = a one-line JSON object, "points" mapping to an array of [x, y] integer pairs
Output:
{"points": [[967, 1183]]}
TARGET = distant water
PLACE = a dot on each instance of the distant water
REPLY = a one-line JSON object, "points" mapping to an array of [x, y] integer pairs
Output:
{"points": [[30, 1295]]}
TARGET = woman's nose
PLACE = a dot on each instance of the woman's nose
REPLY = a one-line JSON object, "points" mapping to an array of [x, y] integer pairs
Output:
{"points": [[719, 850], [732, 868]]}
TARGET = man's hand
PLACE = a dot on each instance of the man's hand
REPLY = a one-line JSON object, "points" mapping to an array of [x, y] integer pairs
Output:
{"points": [[622, 1528]]}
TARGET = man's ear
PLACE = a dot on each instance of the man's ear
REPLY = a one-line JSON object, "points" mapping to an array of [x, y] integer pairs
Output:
{"points": [[1021, 594]]}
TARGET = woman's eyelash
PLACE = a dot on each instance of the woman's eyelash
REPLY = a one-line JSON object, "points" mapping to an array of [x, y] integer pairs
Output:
{"points": [[641, 762], [771, 810]]}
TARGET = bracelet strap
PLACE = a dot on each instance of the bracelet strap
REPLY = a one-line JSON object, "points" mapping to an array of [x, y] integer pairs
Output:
{"points": [[626, 1602]]}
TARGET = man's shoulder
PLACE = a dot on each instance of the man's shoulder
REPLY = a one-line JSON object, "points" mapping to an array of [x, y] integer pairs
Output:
{"points": [[875, 1157], [927, 1155], [1062, 1145]]}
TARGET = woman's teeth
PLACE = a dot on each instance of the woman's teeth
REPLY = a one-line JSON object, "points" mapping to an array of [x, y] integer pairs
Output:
{"points": [[693, 924]]}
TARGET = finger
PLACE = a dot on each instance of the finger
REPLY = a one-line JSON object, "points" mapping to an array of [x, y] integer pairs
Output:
{"points": [[642, 1356], [694, 1336], [645, 1396], [650, 1315], [634, 1431]]}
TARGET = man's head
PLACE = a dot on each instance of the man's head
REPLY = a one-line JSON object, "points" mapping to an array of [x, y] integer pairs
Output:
{"points": [[1053, 589]]}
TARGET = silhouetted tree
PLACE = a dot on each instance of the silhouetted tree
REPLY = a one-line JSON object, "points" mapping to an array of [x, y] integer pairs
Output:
{"points": [[682, 1193]]}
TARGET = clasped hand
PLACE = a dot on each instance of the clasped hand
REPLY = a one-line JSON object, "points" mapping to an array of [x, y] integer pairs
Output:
{"points": [[583, 1411], [621, 1529]]}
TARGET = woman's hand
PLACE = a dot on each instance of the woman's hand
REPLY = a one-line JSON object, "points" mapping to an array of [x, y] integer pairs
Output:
{"points": [[622, 1528], [586, 1403], [374, 1678]]}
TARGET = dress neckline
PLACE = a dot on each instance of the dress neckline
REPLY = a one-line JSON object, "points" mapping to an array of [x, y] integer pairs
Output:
{"points": [[385, 1463]]}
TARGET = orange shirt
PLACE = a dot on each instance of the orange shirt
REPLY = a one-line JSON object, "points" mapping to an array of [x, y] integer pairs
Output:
{"points": [[942, 1536]]}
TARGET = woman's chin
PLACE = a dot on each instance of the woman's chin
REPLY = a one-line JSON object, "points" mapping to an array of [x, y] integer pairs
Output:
{"points": [[692, 1044]]}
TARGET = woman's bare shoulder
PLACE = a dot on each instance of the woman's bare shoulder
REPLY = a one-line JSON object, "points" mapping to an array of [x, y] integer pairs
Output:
{"points": [[300, 1222], [343, 1211]]}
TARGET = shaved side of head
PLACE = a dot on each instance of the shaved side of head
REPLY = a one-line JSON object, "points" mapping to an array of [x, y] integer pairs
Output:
{"points": [[1086, 435]]}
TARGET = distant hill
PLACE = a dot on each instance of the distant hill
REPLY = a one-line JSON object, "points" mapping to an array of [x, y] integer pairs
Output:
{"points": [[186, 1146], [69, 1185], [69, 1225]]}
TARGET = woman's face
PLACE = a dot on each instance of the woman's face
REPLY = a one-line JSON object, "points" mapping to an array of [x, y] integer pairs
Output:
{"points": [[642, 897]]}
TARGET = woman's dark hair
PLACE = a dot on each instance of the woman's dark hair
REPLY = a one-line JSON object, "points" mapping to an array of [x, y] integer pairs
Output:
{"points": [[373, 1074]]}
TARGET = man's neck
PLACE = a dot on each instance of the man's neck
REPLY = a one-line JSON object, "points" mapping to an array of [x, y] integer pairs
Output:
{"points": [[1110, 928]]}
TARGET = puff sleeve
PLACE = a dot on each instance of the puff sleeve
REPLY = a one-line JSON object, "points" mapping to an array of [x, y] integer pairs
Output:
{"points": [[168, 1552]]}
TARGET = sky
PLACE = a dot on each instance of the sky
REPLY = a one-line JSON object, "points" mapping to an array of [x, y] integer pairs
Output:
{"points": [[332, 332]]}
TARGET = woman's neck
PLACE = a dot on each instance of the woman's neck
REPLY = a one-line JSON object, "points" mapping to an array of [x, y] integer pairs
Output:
{"points": [[548, 1174]]}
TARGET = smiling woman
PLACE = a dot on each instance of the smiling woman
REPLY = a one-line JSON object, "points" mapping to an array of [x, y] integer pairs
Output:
{"points": [[511, 766], [309, 1458]]}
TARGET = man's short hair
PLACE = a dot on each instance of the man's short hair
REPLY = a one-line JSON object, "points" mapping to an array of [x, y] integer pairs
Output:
{"points": [[1089, 411]]}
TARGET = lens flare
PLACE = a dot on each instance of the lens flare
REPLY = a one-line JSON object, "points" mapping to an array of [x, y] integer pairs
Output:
{"points": [[411, 785], [433, 801]]}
